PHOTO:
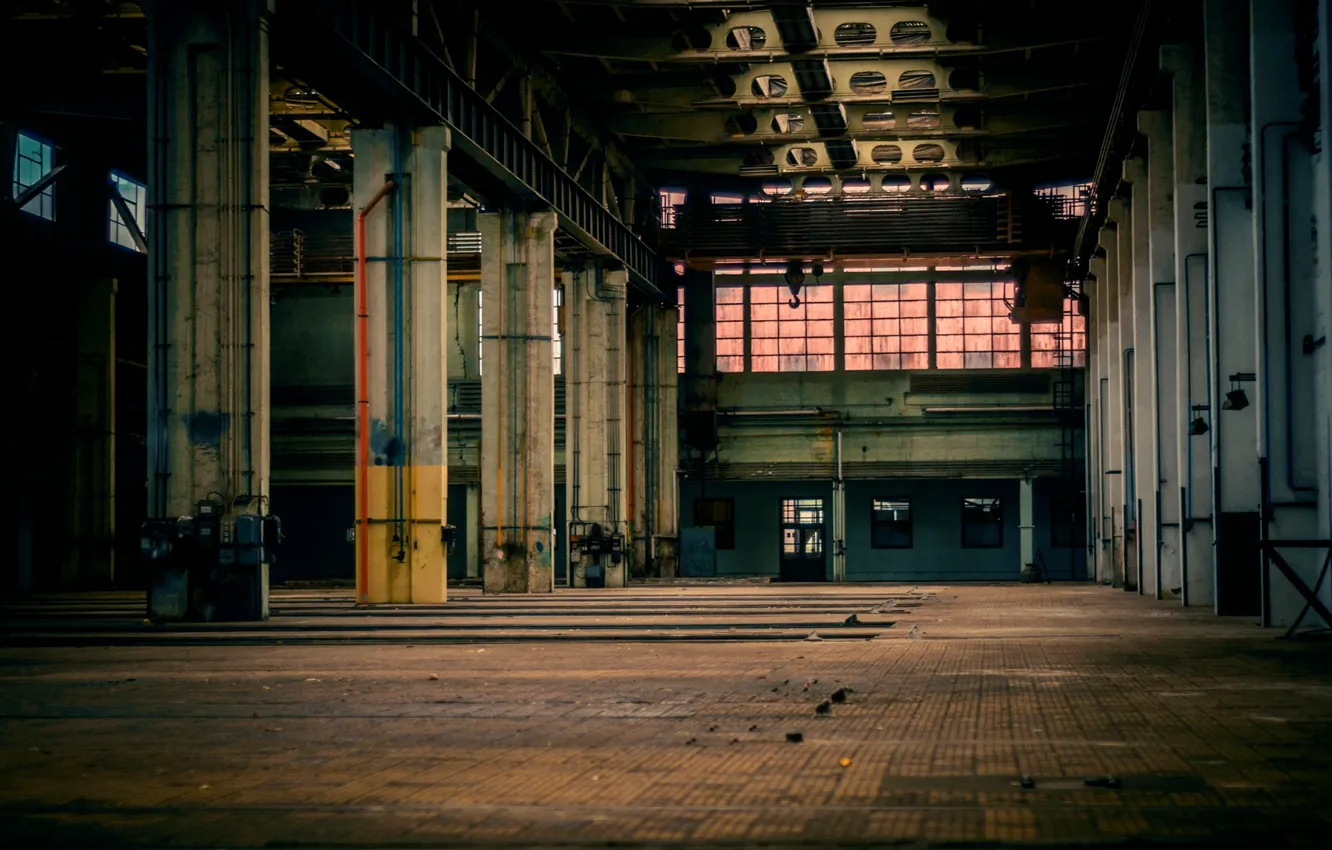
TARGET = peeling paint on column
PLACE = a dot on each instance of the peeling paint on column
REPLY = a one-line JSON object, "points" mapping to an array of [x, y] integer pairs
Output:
{"points": [[206, 427]]}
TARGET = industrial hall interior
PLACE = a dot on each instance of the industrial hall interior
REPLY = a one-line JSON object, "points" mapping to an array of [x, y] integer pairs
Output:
{"points": [[667, 423]]}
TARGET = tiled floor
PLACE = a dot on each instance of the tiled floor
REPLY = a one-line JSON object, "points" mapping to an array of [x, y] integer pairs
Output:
{"points": [[660, 716]]}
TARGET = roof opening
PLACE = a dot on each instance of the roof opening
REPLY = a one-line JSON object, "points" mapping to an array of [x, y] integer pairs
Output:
{"points": [[768, 85], [929, 152], [910, 32], [916, 80], [746, 38], [855, 34], [855, 185], [802, 157], [816, 185], [788, 122], [923, 119], [868, 82], [878, 121], [886, 153], [896, 183]]}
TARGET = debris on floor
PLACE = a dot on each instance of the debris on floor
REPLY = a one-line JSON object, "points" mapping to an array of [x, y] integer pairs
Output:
{"points": [[794, 737]]}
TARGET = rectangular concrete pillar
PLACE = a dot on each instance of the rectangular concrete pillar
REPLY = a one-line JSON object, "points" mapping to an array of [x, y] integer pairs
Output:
{"points": [[1157, 127], [518, 402], [1322, 239], [90, 556], [1026, 524], [208, 290], [1142, 499], [1110, 562], [596, 441], [1093, 287], [1284, 303], [1192, 322], [473, 531], [654, 434], [464, 342], [1234, 337], [402, 480], [1118, 409]]}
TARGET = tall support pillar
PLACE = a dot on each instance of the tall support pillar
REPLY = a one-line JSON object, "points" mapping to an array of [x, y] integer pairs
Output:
{"points": [[1164, 580], [1192, 323], [1093, 288], [402, 383], [518, 402], [208, 301], [1322, 238], [1235, 478], [1282, 204], [1026, 524], [1142, 498], [698, 390], [654, 512], [596, 440], [92, 517], [1112, 405]]}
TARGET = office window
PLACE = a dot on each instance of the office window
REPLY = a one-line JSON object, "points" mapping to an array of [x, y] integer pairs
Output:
{"points": [[135, 195], [33, 160], [730, 329], [982, 523], [720, 514], [890, 523], [886, 326], [1068, 520], [972, 328], [787, 339], [679, 330], [1055, 346], [670, 200]]}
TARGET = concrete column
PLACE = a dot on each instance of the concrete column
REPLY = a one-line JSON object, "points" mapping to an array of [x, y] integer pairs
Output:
{"points": [[1192, 309], [403, 478], [92, 506], [1026, 524], [596, 441], [1112, 407], [473, 531], [1117, 399], [1322, 238], [518, 402], [1092, 288], [1142, 500], [208, 233], [1284, 296], [1233, 295], [655, 438], [698, 387], [464, 342], [1164, 577]]}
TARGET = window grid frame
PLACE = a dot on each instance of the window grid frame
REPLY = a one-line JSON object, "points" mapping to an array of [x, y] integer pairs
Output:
{"points": [[999, 524], [43, 165], [1074, 326], [875, 522], [997, 312], [787, 318], [874, 337], [118, 232]]}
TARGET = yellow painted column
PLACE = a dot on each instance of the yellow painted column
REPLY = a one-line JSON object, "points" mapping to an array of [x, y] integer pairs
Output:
{"points": [[402, 473]]}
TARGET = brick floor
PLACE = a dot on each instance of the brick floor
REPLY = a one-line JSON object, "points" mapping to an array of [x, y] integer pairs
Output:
{"points": [[658, 717]]}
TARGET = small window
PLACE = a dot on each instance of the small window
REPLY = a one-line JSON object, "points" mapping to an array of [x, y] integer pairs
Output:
{"points": [[746, 38], [896, 183], [817, 186], [868, 82], [982, 523], [720, 515], [134, 195], [890, 524], [855, 185], [769, 85], [802, 512], [33, 160], [1068, 520], [855, 34]]}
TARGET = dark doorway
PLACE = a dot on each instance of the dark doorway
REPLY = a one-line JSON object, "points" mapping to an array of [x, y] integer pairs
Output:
{"points": [[1238, 565], [802, 541]]}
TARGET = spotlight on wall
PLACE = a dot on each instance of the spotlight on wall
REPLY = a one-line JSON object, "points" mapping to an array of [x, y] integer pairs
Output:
{"points": [[1236, 399], [1197, 427]]}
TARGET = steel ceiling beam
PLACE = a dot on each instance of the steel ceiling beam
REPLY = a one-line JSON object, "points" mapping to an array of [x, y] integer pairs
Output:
{"points": [[347, 44]]}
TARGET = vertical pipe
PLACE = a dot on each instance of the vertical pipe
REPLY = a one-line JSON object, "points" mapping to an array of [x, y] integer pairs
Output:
{"points": [[399, 354], [363, 401]]}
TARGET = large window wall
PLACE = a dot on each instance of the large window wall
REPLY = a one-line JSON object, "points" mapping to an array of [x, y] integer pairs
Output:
{"points": [[918, 319]]}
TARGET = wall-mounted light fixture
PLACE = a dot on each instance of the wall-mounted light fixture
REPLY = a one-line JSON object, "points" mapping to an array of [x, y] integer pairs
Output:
{"points": [[1236, 399], [1198, 426]]}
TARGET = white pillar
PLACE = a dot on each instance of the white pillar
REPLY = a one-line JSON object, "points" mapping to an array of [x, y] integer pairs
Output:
{"points": [[1142, 500], [1026, 523], [1284, 296], [1192, 307], [1231, 282], [1165, 580]]}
